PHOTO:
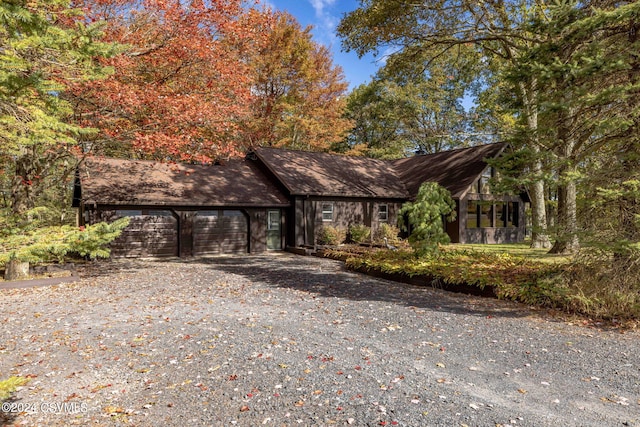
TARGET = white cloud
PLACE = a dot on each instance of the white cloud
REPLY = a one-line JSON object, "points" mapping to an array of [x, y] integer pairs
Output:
{"points": [[319, 5], [326, 22]]}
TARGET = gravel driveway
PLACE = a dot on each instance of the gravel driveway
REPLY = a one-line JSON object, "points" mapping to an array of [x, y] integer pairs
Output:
{"points": [[289, 340]]}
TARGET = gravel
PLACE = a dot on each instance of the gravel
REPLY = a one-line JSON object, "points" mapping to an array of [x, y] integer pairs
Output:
{"points": [[289, 340]]}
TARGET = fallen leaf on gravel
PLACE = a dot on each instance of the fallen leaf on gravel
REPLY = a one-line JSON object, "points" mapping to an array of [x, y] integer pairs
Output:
{"points": [[112, 410], [521, 390]]}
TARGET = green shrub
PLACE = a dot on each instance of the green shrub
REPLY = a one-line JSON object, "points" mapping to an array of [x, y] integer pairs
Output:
{"points": [[359, 233], [389, 231], [425, 217], [9, 386], [330, 235], [56, 243]]}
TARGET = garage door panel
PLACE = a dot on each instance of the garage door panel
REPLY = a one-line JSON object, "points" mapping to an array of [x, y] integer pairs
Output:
{"points": [[147, 236], [220, 233]]}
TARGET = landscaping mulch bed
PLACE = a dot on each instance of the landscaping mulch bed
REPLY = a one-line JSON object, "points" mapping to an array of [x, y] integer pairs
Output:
{"points": [[290, 340]]}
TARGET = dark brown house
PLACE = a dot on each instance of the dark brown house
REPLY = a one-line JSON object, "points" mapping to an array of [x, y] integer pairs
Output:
{"points": [[277, 198]]}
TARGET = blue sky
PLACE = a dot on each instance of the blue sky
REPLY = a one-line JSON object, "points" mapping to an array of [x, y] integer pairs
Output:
{"points": [[324, 16]]}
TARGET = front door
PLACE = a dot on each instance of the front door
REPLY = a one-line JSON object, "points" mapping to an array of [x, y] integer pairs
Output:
{"points": [[274, 237]]}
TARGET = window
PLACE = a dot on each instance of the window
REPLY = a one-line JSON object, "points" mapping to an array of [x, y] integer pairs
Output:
{"points": [[513, 214], [486, 215], [273, 222], [383, 213], [327, 212], [157, 213], [481, 214], [483, 182], [502, 214], [128, 212], [472, 214], [143, 212]]}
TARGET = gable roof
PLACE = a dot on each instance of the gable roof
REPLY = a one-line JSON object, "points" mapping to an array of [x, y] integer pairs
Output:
{"points": [[321, 174], [455, 170], [236, 183]]}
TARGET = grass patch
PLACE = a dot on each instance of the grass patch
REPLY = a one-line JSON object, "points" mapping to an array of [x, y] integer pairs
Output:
{"points": [[515, 249]]}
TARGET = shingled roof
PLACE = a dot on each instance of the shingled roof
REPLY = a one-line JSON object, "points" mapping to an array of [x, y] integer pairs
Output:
{"points": [[320, 174], [455, 170], [236, 183]]}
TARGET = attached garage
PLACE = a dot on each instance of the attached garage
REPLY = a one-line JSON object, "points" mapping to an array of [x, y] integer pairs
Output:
{"points": [[179, 209], [150, 233], [222, 231]]}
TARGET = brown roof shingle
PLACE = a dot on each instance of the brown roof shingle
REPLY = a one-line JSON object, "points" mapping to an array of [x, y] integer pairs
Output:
{"points": [[455, 170], [129, 182], [322, 174]]}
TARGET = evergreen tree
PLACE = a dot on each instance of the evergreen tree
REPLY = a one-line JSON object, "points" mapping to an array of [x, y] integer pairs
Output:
{"points": [[425, 218], [44, 46]]}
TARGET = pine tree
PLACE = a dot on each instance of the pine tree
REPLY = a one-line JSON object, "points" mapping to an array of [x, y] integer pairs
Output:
{"points": [[44, 46]]}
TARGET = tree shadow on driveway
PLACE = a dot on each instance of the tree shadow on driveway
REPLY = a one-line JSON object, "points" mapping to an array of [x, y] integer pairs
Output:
{"points": [[331, 279]]}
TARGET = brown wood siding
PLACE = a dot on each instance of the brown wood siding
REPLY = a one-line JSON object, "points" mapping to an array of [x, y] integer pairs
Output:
{"points": [[346, 212], [219, 234], [147, 236], [258, 225]]}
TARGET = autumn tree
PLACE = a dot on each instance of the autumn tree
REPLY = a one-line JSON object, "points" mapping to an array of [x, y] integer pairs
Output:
{"points": [[45, 48], [298, 94], [435, 30], [413, 105], [183, 86], [376, 119]]}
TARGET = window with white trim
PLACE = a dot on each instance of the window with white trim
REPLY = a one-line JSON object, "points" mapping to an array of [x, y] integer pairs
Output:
{"points": [[383, 213], [327, 212]]}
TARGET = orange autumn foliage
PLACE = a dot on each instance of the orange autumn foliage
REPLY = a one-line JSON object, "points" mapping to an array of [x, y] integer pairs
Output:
{"points": [[180, 87]]}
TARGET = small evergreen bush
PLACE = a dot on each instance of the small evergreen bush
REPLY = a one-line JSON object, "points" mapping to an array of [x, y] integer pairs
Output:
{"points": [[424, 217], [56, 243]]}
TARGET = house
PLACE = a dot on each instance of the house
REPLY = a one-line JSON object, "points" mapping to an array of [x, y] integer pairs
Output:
{"points": [[276, 198]]}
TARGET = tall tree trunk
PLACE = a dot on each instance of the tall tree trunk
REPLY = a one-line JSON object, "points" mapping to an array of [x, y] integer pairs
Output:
{"points": [[22, 194], [567, 241], [539, 236]]}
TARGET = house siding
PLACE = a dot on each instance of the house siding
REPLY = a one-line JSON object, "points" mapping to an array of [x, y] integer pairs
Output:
{"points": [[346, 212]]}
